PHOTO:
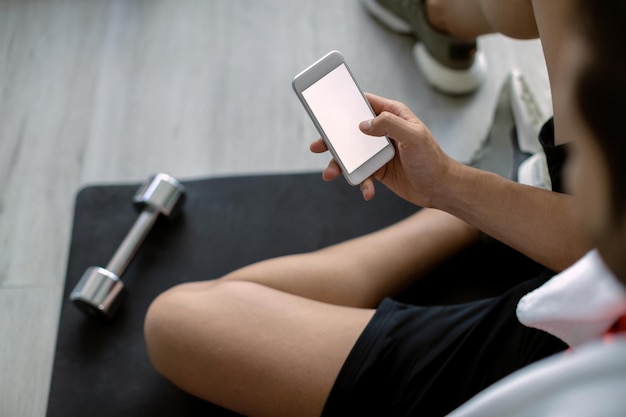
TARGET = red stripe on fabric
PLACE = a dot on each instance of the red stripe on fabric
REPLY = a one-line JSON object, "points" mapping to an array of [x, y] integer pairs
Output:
{"points": [[618, 327]]}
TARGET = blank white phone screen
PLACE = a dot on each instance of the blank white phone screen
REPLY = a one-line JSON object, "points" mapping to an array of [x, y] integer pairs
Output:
{"points": [[339, 108]]}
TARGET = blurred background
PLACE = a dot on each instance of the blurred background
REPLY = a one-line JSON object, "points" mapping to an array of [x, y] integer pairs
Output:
{"points": [[112, 91]]}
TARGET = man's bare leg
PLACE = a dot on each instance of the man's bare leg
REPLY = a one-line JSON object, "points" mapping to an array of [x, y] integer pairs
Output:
{"points": [[470, 19], [250, 348]]}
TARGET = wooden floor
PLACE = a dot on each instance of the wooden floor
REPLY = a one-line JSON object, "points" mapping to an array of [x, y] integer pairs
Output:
{"points": [[111, 91]]}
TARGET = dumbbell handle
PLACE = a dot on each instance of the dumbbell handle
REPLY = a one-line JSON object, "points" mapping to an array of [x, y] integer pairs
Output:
{"points": [[133, 240]]}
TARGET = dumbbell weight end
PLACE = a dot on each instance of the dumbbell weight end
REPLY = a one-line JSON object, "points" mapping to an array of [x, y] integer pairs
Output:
{"points": [[98, 293]]}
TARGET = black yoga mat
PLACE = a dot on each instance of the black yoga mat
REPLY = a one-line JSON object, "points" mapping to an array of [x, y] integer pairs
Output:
{"points": [[102, 369]]}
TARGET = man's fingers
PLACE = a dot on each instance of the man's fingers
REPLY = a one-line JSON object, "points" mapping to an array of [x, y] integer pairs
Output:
{"points": [[368, 190], [382, 104], [392, 126], [332, 171], [318, 146]]}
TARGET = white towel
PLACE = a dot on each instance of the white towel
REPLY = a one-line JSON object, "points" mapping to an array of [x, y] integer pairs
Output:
{"points": [[577, 305]]}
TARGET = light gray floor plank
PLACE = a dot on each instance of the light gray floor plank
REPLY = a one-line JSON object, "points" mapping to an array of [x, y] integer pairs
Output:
{"points": [[28, 322], [113, 91]]}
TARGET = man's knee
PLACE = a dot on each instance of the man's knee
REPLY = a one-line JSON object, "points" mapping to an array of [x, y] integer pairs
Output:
{"points": [[172, 320]]}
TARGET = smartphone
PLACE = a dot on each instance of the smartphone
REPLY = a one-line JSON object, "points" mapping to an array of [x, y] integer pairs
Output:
{"points": [[336, 104]]}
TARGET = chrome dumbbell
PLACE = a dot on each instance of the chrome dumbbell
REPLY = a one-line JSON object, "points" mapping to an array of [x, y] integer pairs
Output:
{"points": [[99, 291]]}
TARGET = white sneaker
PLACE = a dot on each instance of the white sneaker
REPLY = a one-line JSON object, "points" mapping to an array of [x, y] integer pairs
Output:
{"points": [[450, 65], [528, 117]]}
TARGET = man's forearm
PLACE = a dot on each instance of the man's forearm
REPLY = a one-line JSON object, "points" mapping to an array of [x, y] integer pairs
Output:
{"points": [[538, 223]]}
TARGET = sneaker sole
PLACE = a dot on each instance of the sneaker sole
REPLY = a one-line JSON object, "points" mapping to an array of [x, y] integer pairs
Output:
{"points": [[450, 81]]}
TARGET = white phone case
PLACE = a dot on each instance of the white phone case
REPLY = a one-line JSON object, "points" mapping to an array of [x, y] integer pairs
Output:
{"points": [[336, 104]]}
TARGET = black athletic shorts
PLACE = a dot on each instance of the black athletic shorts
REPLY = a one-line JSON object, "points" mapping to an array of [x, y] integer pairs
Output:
{"points": [[427, 361]]}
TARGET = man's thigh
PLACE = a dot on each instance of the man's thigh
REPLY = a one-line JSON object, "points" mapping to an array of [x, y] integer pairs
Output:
{"points": [[250, 348]]}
